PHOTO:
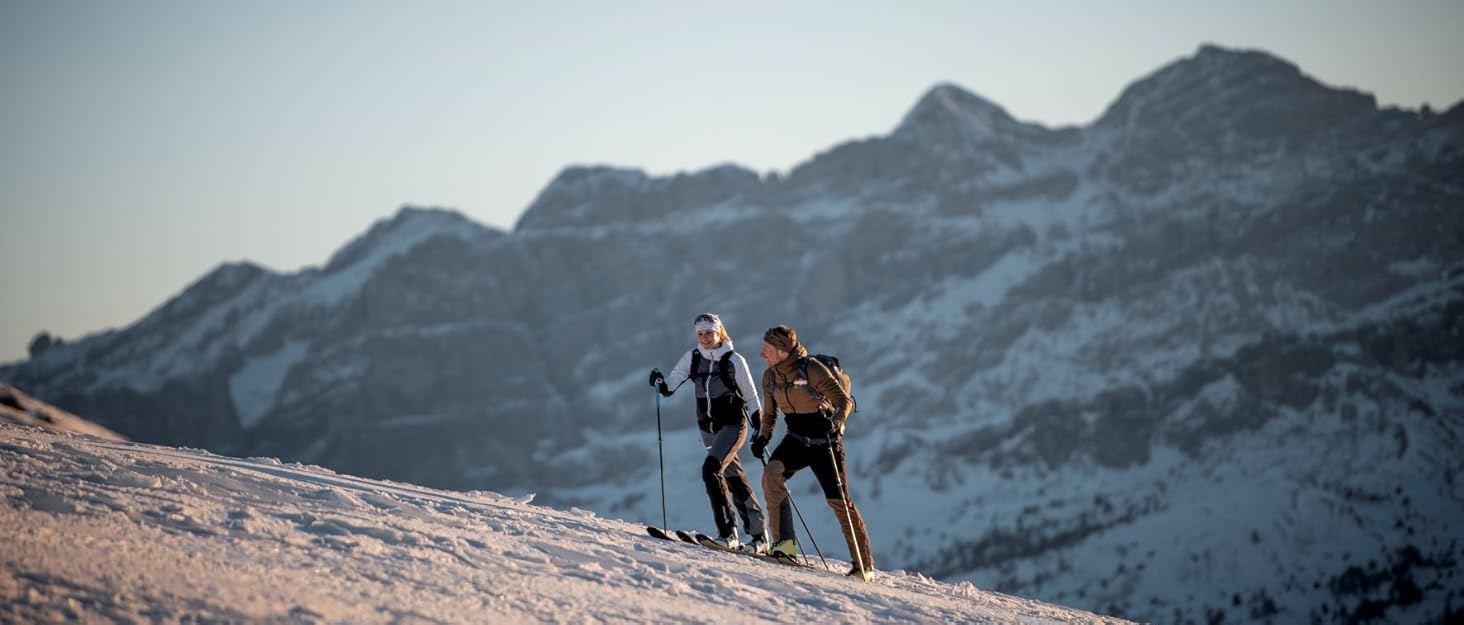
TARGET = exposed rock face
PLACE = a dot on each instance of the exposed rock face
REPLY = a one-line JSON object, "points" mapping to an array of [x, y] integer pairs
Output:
{"points": [[1217, 331]]}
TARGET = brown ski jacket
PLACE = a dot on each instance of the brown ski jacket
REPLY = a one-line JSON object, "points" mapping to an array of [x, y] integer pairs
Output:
{"points": [[784, 389]]}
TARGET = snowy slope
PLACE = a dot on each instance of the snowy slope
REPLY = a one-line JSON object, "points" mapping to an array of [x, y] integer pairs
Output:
{"points": [[18, 408], [112, 531]]}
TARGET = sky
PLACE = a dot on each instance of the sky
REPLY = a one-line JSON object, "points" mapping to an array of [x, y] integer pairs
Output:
{"points": [[143, 143]]}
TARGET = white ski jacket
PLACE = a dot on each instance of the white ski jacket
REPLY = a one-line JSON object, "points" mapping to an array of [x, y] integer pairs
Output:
{"points": [[740, 374]]}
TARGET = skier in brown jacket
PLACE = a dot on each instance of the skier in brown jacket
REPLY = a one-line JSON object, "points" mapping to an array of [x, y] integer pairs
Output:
{"points": [[815, 405]]}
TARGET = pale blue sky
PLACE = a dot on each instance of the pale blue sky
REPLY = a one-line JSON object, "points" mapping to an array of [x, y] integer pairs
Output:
{"points": [[142, 143]]}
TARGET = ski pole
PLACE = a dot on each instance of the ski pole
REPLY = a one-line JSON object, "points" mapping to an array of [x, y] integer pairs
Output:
{"points": [[848, 513], [805, 528], [662, 456]]}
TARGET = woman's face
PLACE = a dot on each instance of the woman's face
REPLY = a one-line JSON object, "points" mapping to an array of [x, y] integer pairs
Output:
{"points": [[708, 338]]}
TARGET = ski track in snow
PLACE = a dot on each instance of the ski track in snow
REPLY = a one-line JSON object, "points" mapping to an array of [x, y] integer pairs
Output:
{"points": [[125, 532]]}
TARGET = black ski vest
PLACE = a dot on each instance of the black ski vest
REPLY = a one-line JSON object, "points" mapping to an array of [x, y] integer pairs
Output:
{"points": [[722, 368]]}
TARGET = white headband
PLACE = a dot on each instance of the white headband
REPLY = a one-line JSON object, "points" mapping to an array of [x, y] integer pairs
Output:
{"points": [[707, 325]]}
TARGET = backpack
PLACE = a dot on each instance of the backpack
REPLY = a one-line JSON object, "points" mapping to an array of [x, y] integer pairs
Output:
{"points": [[724, 369], [840, 376], [832, 364]]}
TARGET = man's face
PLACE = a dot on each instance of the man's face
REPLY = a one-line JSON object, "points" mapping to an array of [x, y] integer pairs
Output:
{"points": [[772, 355], [707, 338]]}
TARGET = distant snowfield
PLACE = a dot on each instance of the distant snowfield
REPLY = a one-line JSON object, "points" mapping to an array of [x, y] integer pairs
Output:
{"points": [[98, 530]]}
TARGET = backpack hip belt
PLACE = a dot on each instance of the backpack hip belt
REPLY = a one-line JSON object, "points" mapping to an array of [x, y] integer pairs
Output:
{"points": [[808, 441]]}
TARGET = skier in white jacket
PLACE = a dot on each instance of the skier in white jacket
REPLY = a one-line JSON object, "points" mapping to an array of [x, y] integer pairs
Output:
{"points": [[725, 390]]}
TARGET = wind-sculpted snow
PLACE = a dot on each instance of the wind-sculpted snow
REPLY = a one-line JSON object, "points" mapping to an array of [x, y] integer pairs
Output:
{"points": [[121, 532]]}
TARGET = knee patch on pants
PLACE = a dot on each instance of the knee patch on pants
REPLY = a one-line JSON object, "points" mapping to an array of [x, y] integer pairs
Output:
{"points": [[711, 469], [774, 478]]}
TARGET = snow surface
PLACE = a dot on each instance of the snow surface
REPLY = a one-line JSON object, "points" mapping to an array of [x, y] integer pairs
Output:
{"points": [[18, 408], [102, 530]]}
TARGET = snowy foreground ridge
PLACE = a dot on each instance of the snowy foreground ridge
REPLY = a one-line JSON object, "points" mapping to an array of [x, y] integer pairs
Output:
{"points": [[100, 530]]}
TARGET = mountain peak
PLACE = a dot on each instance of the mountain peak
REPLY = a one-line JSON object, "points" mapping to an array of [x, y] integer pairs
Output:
{"points": [[578, 180], [1239, 85], [947, 107], [598, 195], [408, 227]]}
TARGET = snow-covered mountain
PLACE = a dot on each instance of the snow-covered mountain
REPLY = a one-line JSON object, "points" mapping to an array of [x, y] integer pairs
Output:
{"points": [[1198, 361], [102, 531]]}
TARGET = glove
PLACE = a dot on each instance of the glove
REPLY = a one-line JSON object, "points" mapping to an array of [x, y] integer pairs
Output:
{"points": [[657, 379], [756, 421], [759, 445], [661, 386]]}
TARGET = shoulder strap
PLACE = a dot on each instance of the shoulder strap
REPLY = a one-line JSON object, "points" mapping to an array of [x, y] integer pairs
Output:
{"points": [[696, 360], [725, 369], [803, 371]]}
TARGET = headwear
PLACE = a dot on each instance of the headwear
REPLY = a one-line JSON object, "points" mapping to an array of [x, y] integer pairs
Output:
{"points": [[781, 337], [709, 321]]}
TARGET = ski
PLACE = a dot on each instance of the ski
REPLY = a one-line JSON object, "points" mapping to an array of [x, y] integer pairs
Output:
{"points": [[708, 542], [674, 536], [702, 540]]}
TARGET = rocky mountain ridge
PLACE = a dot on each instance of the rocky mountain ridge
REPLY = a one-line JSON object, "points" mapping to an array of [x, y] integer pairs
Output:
{"points": [[1112, 366]]}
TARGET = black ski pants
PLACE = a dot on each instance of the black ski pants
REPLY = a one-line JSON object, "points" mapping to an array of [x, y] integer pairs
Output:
{"points": [[826, 458]]}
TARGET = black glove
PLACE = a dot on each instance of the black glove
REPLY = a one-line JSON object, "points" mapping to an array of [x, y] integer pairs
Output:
{"points": [[661, 386], [756, 422], [759, 445], [657, 379]]}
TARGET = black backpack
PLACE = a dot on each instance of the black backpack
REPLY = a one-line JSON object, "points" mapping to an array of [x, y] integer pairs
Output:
{"points": [[840, 376], [724, 369], [832, 363]]}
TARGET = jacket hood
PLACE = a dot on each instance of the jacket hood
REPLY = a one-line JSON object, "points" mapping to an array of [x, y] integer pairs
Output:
{"points": [[715, 352], [789, 366]]}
